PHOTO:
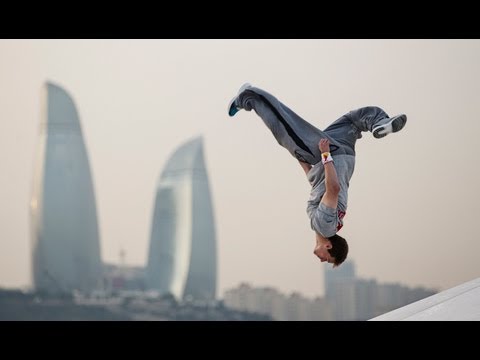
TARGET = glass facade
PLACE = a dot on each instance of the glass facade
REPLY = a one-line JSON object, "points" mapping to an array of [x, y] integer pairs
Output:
{"points": [[65, 239], [182, 257]]}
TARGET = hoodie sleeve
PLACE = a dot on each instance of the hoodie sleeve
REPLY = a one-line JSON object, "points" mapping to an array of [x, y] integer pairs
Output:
{"points": [[324, 220]]}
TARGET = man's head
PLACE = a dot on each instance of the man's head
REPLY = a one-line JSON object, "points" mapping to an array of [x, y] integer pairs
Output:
{"points": [[334, 249], [339, 249]]}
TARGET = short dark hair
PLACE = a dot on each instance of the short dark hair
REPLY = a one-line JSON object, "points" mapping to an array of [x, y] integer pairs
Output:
{"points": [[339, 249]]}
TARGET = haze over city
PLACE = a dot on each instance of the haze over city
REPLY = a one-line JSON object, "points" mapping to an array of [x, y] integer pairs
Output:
{"points": [[412, 200]]}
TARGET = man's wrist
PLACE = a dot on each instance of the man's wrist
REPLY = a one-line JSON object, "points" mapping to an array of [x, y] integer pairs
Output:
{"points": [[326, 158]]}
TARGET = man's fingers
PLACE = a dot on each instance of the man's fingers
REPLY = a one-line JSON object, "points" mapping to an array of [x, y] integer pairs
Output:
{"points": [[324, 144]]}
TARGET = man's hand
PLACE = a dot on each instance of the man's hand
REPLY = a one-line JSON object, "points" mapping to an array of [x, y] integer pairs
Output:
{"points": [[324, 145]]}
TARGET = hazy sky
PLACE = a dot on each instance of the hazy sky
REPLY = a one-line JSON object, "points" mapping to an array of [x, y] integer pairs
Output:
{"points": [[413, 199]]}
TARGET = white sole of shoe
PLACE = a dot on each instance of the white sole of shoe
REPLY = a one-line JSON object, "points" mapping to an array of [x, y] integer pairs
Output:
{"points": [[395, 124]]}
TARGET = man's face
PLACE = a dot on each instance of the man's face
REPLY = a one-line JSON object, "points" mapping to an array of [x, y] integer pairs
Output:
{"points": [[321, 251]]}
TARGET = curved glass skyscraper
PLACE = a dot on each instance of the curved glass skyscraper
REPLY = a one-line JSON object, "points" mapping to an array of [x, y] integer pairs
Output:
{"points": [[66, 249], [182, 258]]}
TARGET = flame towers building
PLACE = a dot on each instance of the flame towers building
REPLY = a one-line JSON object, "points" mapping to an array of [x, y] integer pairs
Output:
{"points": [[182, 258], [66, 249]]}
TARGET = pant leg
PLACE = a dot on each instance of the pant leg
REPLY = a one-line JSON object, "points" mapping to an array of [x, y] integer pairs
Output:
{"points": [[292, 132], [348, 128]]}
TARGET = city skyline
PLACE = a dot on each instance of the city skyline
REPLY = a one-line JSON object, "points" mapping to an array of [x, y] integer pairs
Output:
{"points": [[138, 99], [347, 298]]}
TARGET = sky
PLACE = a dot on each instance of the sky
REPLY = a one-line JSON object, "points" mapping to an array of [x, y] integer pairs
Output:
{"points": [[413, 199]]}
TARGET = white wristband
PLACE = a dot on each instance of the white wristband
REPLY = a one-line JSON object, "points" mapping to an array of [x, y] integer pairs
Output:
{"points": [[326, 158]]}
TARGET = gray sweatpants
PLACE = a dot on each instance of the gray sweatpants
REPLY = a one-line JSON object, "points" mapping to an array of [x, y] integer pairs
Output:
{"points": [[301, 138]]}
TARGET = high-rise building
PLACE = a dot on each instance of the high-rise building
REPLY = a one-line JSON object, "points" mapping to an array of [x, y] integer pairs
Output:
{"points": [[340, 290], [182, 258], [344, 272], [65, 239]]}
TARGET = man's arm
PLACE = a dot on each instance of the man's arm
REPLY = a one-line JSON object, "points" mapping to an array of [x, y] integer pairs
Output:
{"points": [[332, 186]]}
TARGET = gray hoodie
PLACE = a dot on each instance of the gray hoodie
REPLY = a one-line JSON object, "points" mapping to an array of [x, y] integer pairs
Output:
{"points": [[325, 220]]}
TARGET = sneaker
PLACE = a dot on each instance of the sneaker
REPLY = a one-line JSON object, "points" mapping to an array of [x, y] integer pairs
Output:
{"points": [[232, 107], [392, 125]]}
